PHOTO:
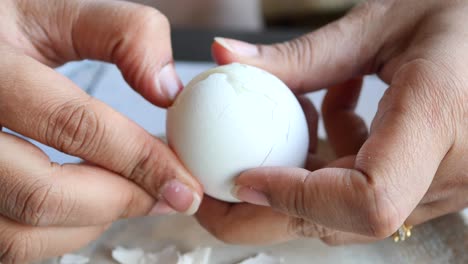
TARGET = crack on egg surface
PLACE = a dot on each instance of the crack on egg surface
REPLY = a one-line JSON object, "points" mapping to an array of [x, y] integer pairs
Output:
{"points": [[234, 118], [267, 156], [223, 112]]}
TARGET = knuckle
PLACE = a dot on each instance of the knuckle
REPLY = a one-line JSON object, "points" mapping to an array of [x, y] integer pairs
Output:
{"points": [[157, 20], [32, 203], [142, 168], [301, 48], [150, 18], [297, 54], [20, 248], [371, 9], [376, 208], [299, 227], [297, 198], [73, 127], [146, 22], [382, 215], [40, 204]]}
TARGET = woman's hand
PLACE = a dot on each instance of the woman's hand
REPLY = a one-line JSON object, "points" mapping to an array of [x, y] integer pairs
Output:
{"points": [[48, 209], [411, 168]]}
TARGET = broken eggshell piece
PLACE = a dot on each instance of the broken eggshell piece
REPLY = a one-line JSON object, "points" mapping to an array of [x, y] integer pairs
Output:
{"points": [[233, 118]]}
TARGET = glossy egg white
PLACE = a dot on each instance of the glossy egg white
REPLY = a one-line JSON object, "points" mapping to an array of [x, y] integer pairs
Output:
{"points": [[233, 118]]}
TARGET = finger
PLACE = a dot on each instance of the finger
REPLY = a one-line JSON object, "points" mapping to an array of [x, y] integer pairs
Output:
{"points": [[133, 36], [250, 224], [427, 212], [312, 117], [343, 238], [231, 223], [346, 131], [328, 56], [66, 118], [23, 244], [35, 192], [391, 173], [314, 161], [422, 214], [241, 223]]}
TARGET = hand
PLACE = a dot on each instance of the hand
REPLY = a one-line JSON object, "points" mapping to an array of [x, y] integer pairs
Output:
{"points": [[411, 168], [48, 209]]}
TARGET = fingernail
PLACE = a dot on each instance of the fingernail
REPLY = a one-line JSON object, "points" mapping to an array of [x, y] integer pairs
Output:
{"points": [[168, 82], [238, 47], [250, 195], [180, 197], [161, 208]]}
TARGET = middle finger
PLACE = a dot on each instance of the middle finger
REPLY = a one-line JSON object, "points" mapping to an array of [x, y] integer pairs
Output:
{"points": [[346, 131]]}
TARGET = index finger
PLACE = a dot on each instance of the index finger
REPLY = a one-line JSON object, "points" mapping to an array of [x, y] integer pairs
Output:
{"points": [[37, 102]]}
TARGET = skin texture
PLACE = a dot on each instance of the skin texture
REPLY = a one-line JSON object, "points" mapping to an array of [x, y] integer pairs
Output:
{"points": [[48, 209], [411, 165]]}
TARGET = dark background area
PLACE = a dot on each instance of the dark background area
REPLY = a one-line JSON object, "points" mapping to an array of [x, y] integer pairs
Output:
{"points": [[194, 44]]}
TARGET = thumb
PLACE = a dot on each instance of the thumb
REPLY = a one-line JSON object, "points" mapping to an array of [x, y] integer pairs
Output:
{"points": [[374, 192], [331, 55]]}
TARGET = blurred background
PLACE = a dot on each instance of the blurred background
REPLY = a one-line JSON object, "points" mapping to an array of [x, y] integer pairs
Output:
{"points": [[258, 21], [251, 15]]}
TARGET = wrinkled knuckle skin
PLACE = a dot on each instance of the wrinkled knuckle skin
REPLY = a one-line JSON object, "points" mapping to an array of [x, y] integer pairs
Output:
{"points": [[299, 227], [20, 248], [383, 217], [38, 205], [143, 169], [73, 128], [146, 22], [297, 201], [296, 54]]}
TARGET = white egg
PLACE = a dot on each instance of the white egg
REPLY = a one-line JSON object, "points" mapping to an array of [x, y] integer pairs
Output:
{"points": [[233, 118]]}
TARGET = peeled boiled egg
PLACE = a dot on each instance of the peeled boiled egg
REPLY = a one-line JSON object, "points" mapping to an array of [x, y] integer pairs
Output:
{"points": [[233, 118]]}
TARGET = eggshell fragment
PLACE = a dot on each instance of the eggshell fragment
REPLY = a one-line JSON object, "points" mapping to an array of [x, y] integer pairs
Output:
{"points": [[198, 256], [73, 259], [262, 258], [169, 255], [128, 256]]}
